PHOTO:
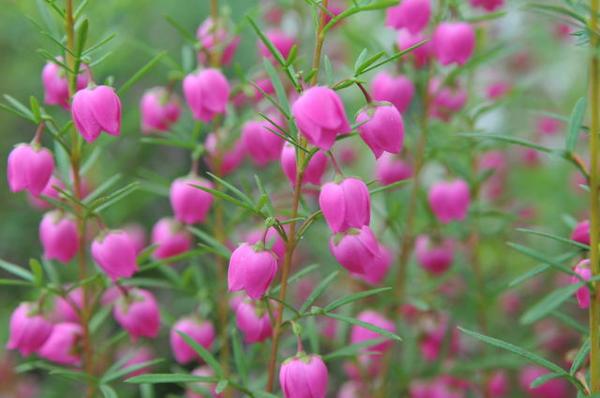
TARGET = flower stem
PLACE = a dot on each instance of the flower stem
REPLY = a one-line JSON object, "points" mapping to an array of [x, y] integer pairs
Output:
{"points": [[291, 242], [594, 312]]}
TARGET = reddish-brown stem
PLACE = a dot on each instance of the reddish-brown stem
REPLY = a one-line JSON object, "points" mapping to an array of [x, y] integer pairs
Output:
{"points": [[364, 92]]}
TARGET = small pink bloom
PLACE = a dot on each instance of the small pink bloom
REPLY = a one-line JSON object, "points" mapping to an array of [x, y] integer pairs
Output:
{"points": [[261, 142], [583, 293], [446, 100], [29, 329], [304, 376], [320, 116], [581, 232], [56, 84], [170, 238], [197, 390], [232, 153], [273, 240], [356, 249], [392, 168], [497, 90], [413, 15], [312, 173], [218, 40], [190, 204], [282, 42], [95, 110], [434, 257], [138, 313], [346, 204], [398, 90], [530, 157], [201, 331], [66, 309], [450, 200], [421, 55], [159, 109], [62, 346], [251, 269], [137, 356], [253, 321], [453, 42], [29, 167], [553, 388], [114, 252], [59, 237], [48, 192], [360, 334], [546, 125], [381, 127], [206, 93], [487, 5], [498, 385]]}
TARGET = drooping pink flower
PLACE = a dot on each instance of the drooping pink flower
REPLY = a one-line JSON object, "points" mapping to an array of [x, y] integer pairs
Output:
{"points": [[304, 376], [193, 391], [446, 100], [59, 237], [190, 204], [66, 309], [487, 5], [159, 109], [137, 312], [281, 41], [392, 168], [170, 238], [137, 356], [346, 204], [29, 329], [360, 334], [376, 272], [399, 90], [314, 169], [96, 109], [207, 93], [419, 56], [49, 192], [413, 15], [553, 388], [434, 257], [62, 345], [251, 269], [272, 240], [453, 42], [434, 338], [137, 234], [253, 321], [201, 331], [320, 116], [583, 293], [449, 200], [216, 39], [56, 83], [381, 127], [231, 153], [356, 249], [29, 167], [581, 232], [114, 252], [498, 384], [261, 142]]}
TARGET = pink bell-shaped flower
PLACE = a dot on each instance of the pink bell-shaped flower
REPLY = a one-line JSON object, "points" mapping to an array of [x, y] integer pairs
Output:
{"points": [[29, 167], [190, 204], [49, 192], [56, 83], [450, 200], [360, 334], [232, 154], [282, 42], [453, 42], [376, 272], [206, 93], [251, 269], [201, 331], [253, 321], [312, 173], [413, 15], [435, 258], [171, 238], [345, 205], [29, 329], [137, 312], [356, 249], [419, 56], [96, 109], [581, 232], [583, 294], [62, 347], [59, 237], [392, 168], [159, 109], [304, 376], [219, 40], [398, 90], [114, 252], [381, 127], [261, 142]]}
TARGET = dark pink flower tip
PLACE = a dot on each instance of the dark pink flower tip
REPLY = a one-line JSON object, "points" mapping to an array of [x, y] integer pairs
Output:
{"points": [[28, 330], [581, 232], [251, 269], [201, 331], [381, 127], [413, 15], [453, 42], [304, 376], [398, 90], [356, 249], [115, 253], [170, 238], [62, 347], [159, 109], [345, 205], [487, 5], [96, 109], [59, 237], [450, 200], [320, 116], [138, 313], [206, 93], [190, 204], [29, 167], [434, 257], [252, 319]]}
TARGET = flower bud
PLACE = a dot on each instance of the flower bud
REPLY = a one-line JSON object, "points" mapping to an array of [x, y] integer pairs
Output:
{"points": [[345, 205], [583, 293], [29, 167], [392, 168], [159, 109], [202, 332], [360, 334], [581, 232], [303, 376], [450, 200], [251, 269], [232, 154], [312, 173], [56, 83], [356, 249], [62, 347], [453, 42], [95, 110], [59, 237], [29, 329], [320, 116], [114, 252], [282, 42], [410, 14], [398, 90], [211, 41], [253, 321], [419, 56], [206, 93], [137, 312], [170, 238], [381, 127], [261, 142], [435, 258], [190, 204], [487, 5]]}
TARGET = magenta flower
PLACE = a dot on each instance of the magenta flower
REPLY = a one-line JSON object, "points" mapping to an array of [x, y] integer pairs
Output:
{"points": [[62, 347], [398, 90], [360, 334], [261, 142], [66, 309], [376, 272], [273, 240], [312, 173], [96, 109], [346, 204], [190, 204], [201, 331], [381, 127], [356, 249], [232, 154], [216, 41], [115, 253], [304, 376], [446, 100], [137, 356], [392, 168], [137, 312], [206, 93], [413, 15], [487, 5], [170, 238], [59, 237], [419, 56], [282, 42], [49, 191], [449, 200], [583, 293], [320, 116], [251, 269], [553, 388], [29, 329], [253, 321], [203, 371], [159, 109], [29, 167], [56, 84], [581, 232], [498, 384], [453, 42], [434, 257]]}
